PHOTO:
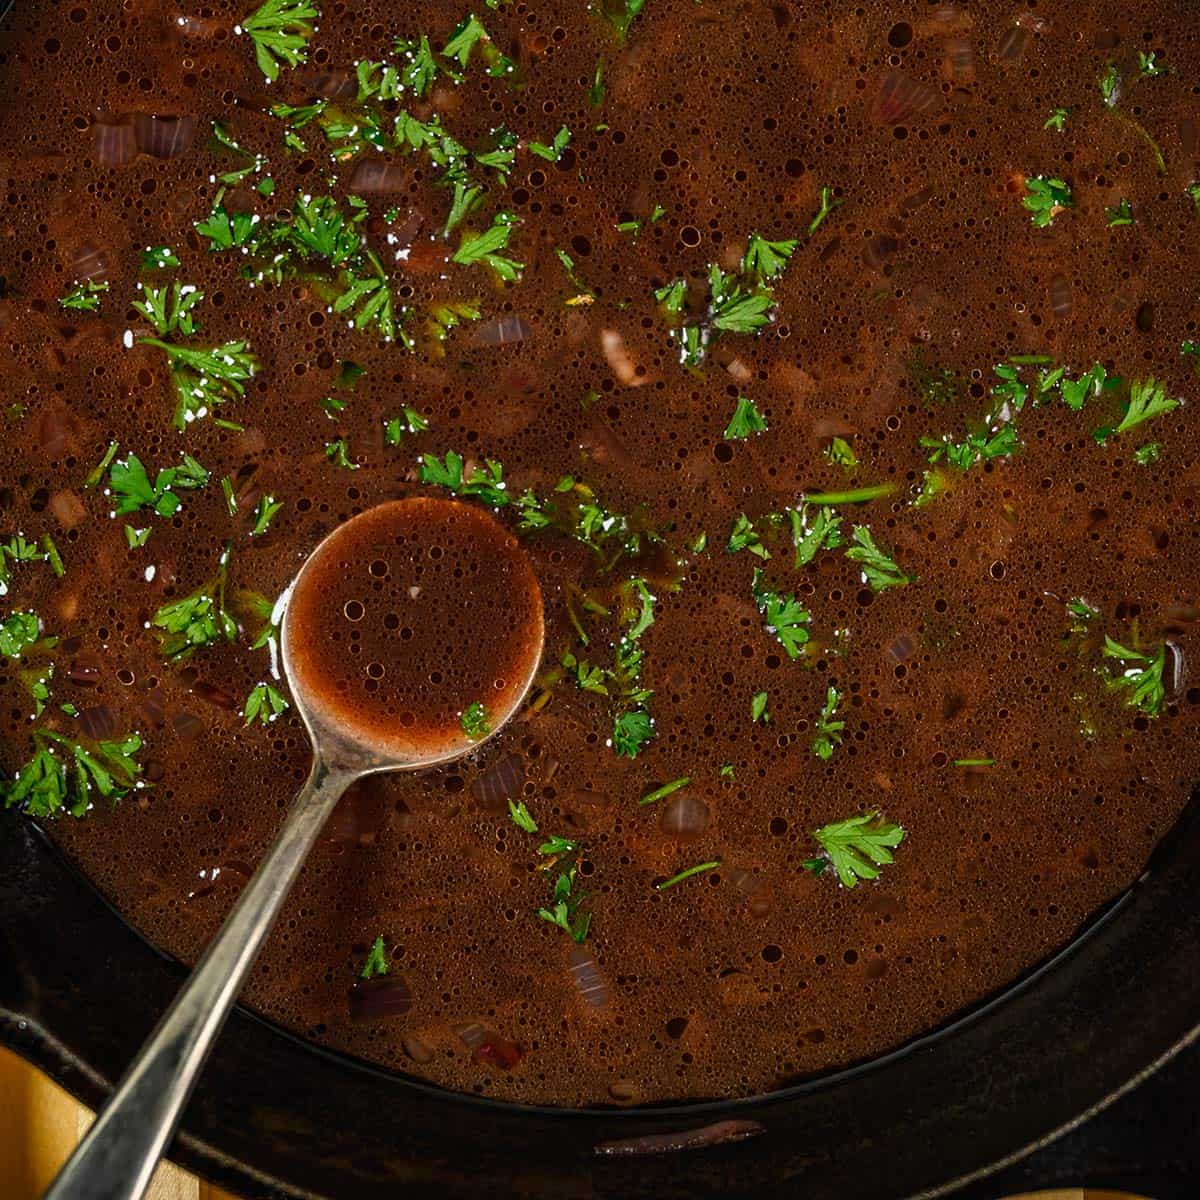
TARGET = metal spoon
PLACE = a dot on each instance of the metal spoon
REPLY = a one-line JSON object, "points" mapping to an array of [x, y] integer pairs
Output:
{"points": [[116, 1159]]}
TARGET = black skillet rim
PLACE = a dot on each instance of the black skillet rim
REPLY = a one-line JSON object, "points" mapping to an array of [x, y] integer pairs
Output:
{"points": [[276, 1116]]}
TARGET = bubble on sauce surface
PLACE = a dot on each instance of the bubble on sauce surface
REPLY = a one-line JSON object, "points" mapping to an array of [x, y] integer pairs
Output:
{"points": [[407, 616]]}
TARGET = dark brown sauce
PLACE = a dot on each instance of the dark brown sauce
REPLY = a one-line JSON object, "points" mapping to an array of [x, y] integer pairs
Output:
{"points": [[407, 617], [731, 117]]}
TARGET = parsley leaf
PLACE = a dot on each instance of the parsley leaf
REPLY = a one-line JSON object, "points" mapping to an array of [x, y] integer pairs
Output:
{"points": [[18, 632], [85, 297], [841, 453], [131, 486], [1147, 399], [767, 259], [169, 310], [159, 258], [567, 900], [264, 514], [86, 770], [1149, 453], [281, 31], [743, 536], [1046, 198], [879, 570], [553, 152], [620, 14], [475, 721], [745, 421], [207, 378], [809, 536], [1119, 214], [758, 708], [377, 963], [631, 731], [1141, 675], [264, 703], [828, 204], [783, 616], [1057, 119], [828, 731], [734, 310], [484, 247], [521, 816], [856, 847], [196, 620]]}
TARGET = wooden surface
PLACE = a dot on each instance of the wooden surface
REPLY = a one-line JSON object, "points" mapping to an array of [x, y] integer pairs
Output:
{"points": [[41, 1125]]}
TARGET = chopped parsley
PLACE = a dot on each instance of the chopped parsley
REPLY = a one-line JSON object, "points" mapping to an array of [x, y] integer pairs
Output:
{"points": [[783, 616], [631, 732], [281, 31], [620, 14], [767, 259], [1147, 454], [828, 203], [85, 297], [338, 453], [979, 446], [758, 709], [879, 570], [265, 703], [69, 775], [1148, 67], [743, 536], [18, 632], [197, 619], [1110, 85], [840, 453], [169, 310], [159, 258], [1057, 119], [521, 816], [205, 379], [1147, 399], [377, 963], [828, 731], [1140, 674], [554, 151], [264, 513], [856, 848], [475, 721], [814, 532], [746, 420], [1119, 214], [484, 248], [130, 485], [1046, 198], [566, 904]]}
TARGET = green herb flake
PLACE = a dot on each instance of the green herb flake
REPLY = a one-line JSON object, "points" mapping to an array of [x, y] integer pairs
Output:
{"points": [[828, 731], [1046, 198], [746, 420], [856, 847], [475, 721], [265, 704], [377, 963], [879, 570]]}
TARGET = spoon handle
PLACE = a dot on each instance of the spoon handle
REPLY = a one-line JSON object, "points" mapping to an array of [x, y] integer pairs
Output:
{"points": [[117, 1157]]}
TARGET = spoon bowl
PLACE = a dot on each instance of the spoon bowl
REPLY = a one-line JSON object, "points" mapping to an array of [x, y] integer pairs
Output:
{"points": [[441, 595]]}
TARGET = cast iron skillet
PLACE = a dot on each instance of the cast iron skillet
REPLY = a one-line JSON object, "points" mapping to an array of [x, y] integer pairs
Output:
{"points": [[275, 1116]]}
